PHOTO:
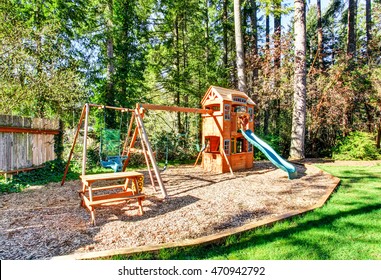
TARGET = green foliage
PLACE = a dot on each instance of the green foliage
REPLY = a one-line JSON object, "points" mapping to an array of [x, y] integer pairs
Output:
{"points": [[38, 74], [273, 141], [357, 146], [51, 172]]}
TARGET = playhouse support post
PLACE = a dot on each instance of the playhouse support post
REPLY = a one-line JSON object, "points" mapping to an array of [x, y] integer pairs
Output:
{"points": [[150, 153], [73, 145], [222, 149]]}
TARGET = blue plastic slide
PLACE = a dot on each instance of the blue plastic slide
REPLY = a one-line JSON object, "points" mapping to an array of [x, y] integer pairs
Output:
{"points": [[269, 152]]}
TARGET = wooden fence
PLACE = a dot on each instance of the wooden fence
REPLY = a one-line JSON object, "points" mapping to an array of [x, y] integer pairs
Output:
{"points": [[25, 142]]}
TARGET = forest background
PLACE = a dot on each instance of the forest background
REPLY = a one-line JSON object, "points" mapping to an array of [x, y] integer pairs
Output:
{"points": [[55, 55]]}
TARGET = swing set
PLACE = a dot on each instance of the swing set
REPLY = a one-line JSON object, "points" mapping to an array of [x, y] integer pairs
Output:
{"points": [[132, 186]]}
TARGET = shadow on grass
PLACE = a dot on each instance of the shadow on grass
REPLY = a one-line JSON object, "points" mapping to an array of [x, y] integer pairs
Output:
{"points": [[255, 239]]}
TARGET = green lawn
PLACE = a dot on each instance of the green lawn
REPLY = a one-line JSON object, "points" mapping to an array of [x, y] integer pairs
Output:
{"points": [[348, 227]]}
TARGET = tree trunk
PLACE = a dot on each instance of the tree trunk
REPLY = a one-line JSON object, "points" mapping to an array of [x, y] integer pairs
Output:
{"points": [[277, 61], [225, 32], [110, 97], [378, 140], [239, 47], [299, 108], [368, 22], [207, 40], [277, 35], [267, 34], [320, 36], [177, 80], [254, 34], [266, 115], [351, 36]]}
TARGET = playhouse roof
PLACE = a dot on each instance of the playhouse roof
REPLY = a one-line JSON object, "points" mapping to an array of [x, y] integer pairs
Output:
{"points": [[215, 92]]}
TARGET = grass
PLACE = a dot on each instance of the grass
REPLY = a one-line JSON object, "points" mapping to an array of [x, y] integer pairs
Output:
{"points": [[348, 227]]}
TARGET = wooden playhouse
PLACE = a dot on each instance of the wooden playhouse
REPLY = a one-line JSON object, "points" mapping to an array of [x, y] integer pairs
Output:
{"points": [[226, 148]]}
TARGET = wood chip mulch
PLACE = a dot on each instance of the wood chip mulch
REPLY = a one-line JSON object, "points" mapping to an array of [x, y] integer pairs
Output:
{"points": [[47, 221]]}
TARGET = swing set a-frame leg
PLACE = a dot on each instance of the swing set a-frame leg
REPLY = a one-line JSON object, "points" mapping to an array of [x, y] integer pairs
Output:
{"points": [[84, 110], [147, 150], [144, 136]]}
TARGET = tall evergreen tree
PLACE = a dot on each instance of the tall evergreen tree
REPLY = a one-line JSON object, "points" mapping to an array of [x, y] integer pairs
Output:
{"points": [[320, 35], [299, 108], [368, 22], [351, 34], [239, 47]]}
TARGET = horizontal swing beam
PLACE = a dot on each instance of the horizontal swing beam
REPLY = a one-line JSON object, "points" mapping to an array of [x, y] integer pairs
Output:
{"points": [[175, 109], [111, 107]]}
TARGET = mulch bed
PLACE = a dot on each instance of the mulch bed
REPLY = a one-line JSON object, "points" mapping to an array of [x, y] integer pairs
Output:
{"points": [[47, 221]]}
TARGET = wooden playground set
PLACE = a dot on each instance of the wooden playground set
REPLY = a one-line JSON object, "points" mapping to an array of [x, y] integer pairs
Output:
{"points": [[227, 141]]}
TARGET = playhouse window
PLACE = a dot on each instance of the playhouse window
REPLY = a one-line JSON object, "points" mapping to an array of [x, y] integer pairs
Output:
{"points": [[213, 107], [240, 109], [240, 145], [251, 113], [213, 144], [227, 147], [227, 112]]}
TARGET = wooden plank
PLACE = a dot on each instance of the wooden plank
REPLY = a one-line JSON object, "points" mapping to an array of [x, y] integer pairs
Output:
{"points": [[21, 169], [2, 151], [222, 148], [113, 198], [11, 129], [73, 144], [86, 128], [110, 176], [111, 107], [175, 109], [107, 188]]}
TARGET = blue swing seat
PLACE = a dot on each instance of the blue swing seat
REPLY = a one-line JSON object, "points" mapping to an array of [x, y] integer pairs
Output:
{"points": [[114, 162]]}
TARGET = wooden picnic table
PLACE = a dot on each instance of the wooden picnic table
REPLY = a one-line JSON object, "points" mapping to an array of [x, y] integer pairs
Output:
{"points": [[131, 188]]}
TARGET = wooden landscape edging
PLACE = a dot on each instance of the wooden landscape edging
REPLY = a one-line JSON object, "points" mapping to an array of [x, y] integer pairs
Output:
{"points": [[214, 238]]}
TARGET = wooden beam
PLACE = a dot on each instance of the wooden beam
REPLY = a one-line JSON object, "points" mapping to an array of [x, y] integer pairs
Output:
{"points": [[175, 109], [73, 145], [147, 160], [86, 130], [111, 107], [140, 124], [11, 129], [128, 135], [133, 140], [222, 148], [21, 169]]}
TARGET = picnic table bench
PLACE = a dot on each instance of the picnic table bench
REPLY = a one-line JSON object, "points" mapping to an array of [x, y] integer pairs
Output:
{"points": [[131, 188]]}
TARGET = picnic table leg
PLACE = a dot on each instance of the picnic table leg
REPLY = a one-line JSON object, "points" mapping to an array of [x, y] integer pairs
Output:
{"points": [[92, 211], [140, 206], [126, 184]]}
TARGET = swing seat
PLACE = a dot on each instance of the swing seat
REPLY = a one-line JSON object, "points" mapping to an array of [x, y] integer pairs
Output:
{"points": [[114, 162]]}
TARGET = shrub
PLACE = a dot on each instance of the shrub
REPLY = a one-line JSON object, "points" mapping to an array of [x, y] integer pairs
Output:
{"points": [[356, 146], [51, 172], [273, 141]]}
